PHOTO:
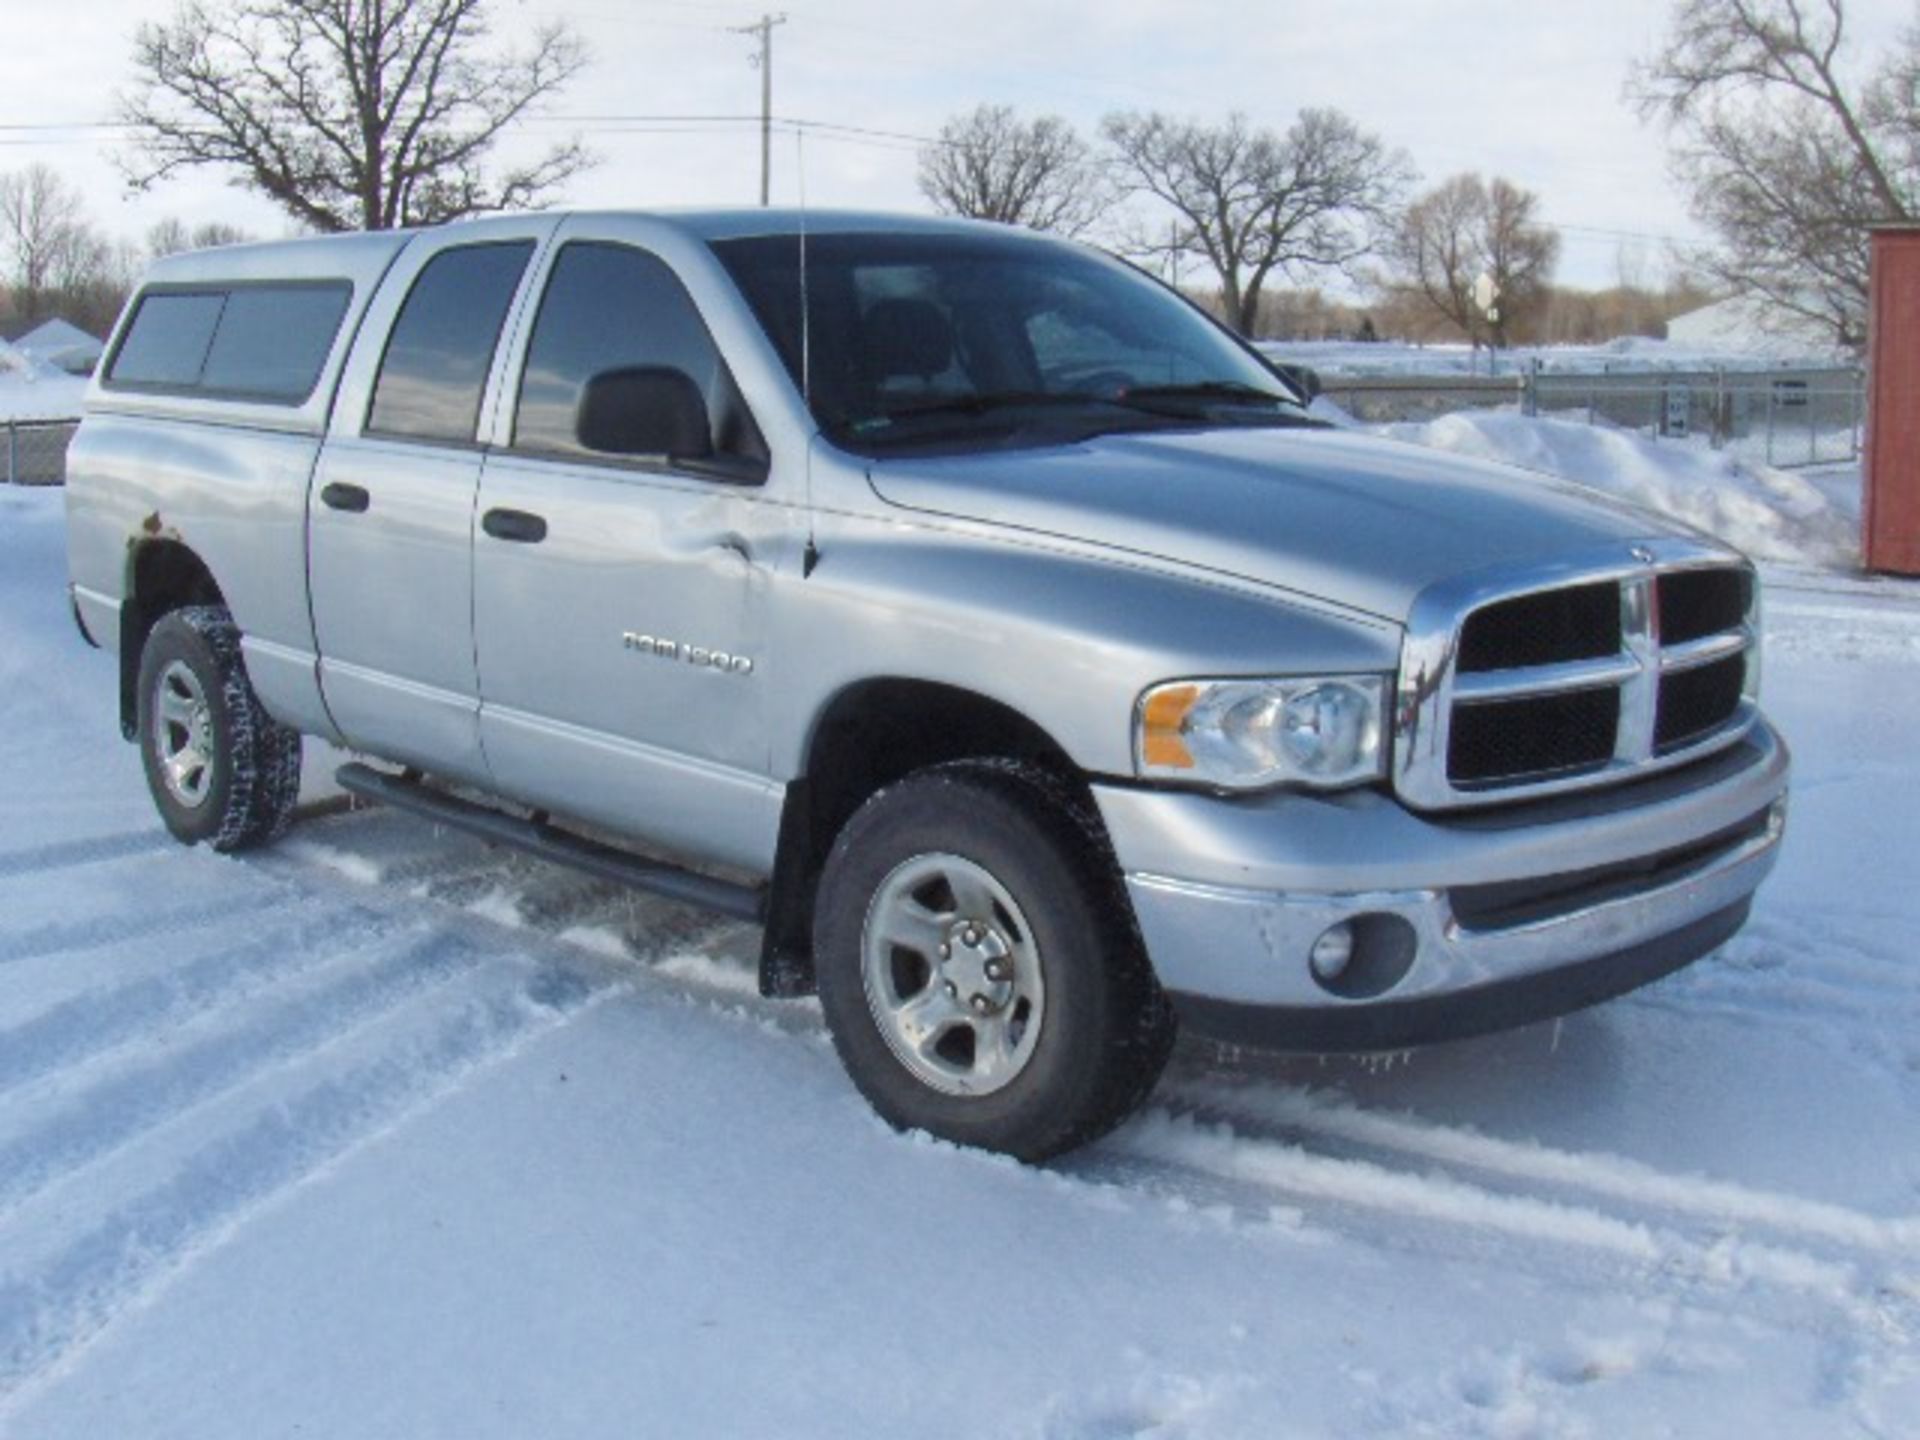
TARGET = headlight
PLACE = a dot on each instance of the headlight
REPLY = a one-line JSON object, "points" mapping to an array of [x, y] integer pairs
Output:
{"points": [[1246, 734]]}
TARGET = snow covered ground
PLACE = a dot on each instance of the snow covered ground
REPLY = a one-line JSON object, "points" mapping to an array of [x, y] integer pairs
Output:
{"points": [[31, 389], [381, 1134]]}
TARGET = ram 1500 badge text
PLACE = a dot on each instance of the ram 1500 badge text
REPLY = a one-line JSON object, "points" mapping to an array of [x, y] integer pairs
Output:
{"points": [[961, 605]]}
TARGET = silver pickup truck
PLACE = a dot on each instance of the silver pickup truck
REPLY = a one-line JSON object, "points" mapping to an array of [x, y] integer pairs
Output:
{"points": [[963, 606]]}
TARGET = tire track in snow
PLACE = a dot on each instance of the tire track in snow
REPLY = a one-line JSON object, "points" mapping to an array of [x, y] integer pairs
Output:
{"points": [[48, 1316], [115, 1111], [41, 942], [67, 854], [1632, 1222], [1281, 1115], [446, 855], [1647, 1218], [1194, 1157], [506, 893], [1274, 1176], [87, 1025]]}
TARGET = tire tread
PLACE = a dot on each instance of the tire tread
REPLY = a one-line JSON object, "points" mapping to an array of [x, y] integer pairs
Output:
{"points": [[262, 782], [1108, 1084]]}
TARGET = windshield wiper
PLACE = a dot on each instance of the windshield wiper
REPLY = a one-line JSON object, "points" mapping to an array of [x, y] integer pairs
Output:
{"points": [[1219, 402], [1205, 390], [981, 403]]}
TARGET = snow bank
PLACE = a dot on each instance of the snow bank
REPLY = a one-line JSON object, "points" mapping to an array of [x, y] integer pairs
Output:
{"points": [[1770, 514], [31, 389]]}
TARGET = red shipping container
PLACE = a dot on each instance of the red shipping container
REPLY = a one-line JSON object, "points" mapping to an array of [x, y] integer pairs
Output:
{"points": [[1891, 506]]}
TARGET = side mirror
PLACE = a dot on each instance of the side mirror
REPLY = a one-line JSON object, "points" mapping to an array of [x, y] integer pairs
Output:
{"points": [[1303, 378], [647, 410]]}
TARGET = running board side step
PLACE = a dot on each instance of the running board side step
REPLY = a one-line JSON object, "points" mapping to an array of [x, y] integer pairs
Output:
{"points": [[742, 902]]}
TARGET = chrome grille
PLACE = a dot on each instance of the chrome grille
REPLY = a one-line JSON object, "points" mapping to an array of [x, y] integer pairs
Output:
{"points": [[1581, 674]]}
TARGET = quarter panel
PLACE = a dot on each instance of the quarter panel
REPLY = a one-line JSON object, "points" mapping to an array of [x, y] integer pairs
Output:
{"points": [[234, 496]]}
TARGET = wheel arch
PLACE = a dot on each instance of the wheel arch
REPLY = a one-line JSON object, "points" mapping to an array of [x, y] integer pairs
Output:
{"points": [[163, 575], [869, 734]]}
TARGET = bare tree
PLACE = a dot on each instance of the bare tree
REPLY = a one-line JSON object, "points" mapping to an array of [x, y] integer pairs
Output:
{"points": [[1252, 203], [991, 165], [54, 258], [349, 114], [42, 228], [1788, 150], [172, 235], [1434, 252], [1463, 228]]}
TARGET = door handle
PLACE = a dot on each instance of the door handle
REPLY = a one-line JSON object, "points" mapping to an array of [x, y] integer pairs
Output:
{"points": [[515, 525], [341, 496]]}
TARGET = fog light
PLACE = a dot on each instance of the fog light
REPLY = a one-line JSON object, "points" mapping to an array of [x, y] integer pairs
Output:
{"points": [[1332, 953], [1364, 956]]}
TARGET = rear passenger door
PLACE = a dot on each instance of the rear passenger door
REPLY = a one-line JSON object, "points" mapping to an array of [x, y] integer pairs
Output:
{"points": [[618, 598], [390, 538]]}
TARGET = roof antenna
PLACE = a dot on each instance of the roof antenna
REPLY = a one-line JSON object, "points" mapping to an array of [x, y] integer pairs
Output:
{"points": [[810, 557]]}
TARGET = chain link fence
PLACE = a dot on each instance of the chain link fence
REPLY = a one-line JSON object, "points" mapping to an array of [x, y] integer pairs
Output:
{"points": [[1778, 417], [34, 452]]}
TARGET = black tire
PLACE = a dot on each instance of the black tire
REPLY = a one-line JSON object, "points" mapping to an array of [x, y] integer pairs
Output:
{"points": [[1107, 1028], [245, 792]]}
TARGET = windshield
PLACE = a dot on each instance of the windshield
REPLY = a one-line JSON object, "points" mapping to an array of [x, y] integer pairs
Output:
{"points": [[959, 341]]}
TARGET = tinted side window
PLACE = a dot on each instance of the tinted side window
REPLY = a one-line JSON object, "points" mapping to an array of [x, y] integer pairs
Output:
{"points": [[167, 342], [437, 359], [273, 340], [611, 307], [247, 342]]}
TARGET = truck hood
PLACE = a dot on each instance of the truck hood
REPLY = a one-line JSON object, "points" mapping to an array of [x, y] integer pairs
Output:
{"points": [[1359, 521]]}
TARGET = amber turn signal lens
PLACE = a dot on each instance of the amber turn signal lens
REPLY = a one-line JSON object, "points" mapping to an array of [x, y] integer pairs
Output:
{"points": [[1161, 722]]}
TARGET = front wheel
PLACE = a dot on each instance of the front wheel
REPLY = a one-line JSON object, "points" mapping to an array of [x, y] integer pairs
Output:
{"points": [[221, 769], [979, 965]]}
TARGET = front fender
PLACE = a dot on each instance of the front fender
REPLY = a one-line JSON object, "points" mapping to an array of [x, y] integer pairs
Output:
{"points": [[1068, 638]]}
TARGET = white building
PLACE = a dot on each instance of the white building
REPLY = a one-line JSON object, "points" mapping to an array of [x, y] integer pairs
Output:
{"points": [[64, 346]]}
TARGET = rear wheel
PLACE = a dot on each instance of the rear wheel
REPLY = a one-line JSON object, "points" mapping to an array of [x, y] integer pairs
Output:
{"points": [[979, 966], [221, 769]]}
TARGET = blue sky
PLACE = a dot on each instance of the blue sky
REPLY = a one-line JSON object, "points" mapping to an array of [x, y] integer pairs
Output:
{"points": [[1529, 90]]}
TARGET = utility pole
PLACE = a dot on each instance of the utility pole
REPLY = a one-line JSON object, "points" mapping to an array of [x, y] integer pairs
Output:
{"points": [[763, 27]]}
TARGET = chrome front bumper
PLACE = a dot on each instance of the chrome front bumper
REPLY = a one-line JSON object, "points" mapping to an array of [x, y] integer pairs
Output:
{"points": [[1231, 894]]}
